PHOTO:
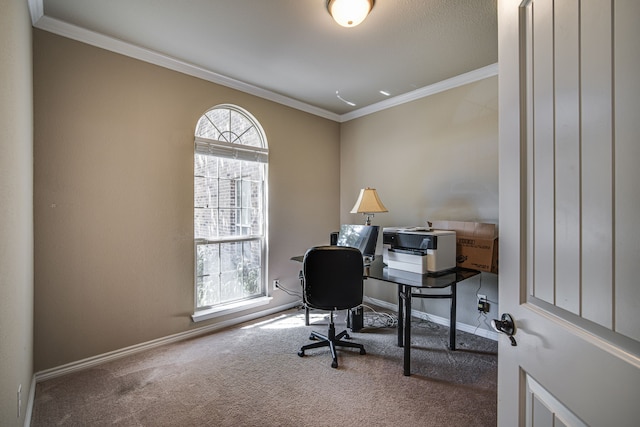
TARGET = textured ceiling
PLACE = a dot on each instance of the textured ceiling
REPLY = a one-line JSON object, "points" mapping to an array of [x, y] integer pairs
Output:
{"points": [[294, 49]]}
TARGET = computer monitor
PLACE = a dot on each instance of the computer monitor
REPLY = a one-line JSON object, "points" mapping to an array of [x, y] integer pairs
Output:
{"points": [[363, 237]]}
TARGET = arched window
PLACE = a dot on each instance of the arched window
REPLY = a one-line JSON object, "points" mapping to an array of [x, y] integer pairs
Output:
{"points": [[230, 177]]}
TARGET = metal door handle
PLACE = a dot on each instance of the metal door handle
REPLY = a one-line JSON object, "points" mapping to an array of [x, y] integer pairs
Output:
{"points": [[507, 326]]}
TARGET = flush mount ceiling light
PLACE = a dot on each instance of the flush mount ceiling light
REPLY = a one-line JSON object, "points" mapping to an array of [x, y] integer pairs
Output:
{"points": [[349, 13]]}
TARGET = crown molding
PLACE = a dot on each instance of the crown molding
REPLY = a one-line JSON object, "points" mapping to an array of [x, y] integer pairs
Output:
{"points": [[83, 35], [61, 28], [453, 82], [36, 9]]}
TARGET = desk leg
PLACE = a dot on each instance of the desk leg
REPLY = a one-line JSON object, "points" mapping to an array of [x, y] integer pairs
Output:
{"points": [[400, 316], [452, 317], [407, 331]]}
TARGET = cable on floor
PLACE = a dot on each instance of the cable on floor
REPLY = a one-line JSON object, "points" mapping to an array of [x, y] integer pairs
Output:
{"points": [[378, 319]]}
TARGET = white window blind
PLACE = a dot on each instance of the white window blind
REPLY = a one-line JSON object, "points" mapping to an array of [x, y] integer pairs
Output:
{"points": [[230, 150]]}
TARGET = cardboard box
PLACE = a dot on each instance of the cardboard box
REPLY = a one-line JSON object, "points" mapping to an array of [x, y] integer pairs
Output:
{"points": [[476, 244]]}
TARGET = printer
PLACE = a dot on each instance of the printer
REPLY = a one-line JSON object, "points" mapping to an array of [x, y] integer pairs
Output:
{"points": [[418, 249]]}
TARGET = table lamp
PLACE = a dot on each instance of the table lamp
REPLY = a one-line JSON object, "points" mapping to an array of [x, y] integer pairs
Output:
{"points": [[368, 204]]}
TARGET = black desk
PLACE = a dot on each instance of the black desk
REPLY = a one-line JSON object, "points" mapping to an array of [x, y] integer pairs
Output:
{"points": [[408, 286]]}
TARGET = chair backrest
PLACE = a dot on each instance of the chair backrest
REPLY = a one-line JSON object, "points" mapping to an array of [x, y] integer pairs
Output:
{"points": [[333, 277]]}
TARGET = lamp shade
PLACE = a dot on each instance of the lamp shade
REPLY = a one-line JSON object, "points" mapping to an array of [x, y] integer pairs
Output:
{"points": [[349, 13], [368, 202]]}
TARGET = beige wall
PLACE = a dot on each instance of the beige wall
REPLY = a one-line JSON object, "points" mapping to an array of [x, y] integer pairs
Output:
{"points": [[16, 210], [114, 196], [433, 158], [113, 190]]}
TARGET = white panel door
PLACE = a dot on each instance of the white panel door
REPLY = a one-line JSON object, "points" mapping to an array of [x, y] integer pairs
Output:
{"points": [[569, 212]]}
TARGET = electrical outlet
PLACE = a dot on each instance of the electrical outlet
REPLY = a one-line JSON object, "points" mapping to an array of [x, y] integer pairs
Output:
{"points": [[19, 400], [276, 284], [482, 304]]}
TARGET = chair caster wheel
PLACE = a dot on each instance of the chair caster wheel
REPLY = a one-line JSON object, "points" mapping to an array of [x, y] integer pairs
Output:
{"points": [[362, 351], [347, 336], [334, 364], [313, 338], [301, 353]]}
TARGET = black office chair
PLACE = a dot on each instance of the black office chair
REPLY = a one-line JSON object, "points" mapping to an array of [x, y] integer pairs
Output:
{"points": [[332, 280]]}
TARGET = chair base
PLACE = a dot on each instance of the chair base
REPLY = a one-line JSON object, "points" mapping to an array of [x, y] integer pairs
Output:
{"points": [[332, 341]]}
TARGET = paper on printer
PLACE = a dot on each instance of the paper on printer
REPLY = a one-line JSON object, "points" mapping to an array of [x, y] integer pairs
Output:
{"points": [[419, 251]]}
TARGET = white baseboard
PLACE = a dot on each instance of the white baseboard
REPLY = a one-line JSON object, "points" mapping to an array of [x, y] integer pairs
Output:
{"points": [[117, 354], [29, 408], [436, 319]]}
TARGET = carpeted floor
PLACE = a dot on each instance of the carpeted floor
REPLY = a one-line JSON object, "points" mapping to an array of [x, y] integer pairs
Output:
{"points": [[251, 375]]}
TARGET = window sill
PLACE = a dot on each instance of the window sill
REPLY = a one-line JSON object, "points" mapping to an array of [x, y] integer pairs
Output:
{"points": [[211, 313]]}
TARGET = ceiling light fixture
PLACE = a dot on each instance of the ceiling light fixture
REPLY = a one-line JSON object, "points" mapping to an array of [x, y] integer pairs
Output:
{"points": [[349, 13]]}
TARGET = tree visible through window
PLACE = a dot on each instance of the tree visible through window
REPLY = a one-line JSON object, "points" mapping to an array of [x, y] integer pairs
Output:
{"points": [[230, 164]]}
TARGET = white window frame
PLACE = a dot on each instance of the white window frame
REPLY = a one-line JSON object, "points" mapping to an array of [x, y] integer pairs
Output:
{"points": [[226, 146]]}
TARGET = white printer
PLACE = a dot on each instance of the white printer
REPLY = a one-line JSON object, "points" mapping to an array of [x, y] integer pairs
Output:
{"points": [[417, 250]]}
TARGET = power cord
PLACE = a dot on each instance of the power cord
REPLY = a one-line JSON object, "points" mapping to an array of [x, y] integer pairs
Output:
{"points": [[289, 291], [378, 319], [482, 315]]}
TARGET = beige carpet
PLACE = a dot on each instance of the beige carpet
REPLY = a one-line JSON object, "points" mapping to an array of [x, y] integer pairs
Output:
{"points": [[251, 375]]}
